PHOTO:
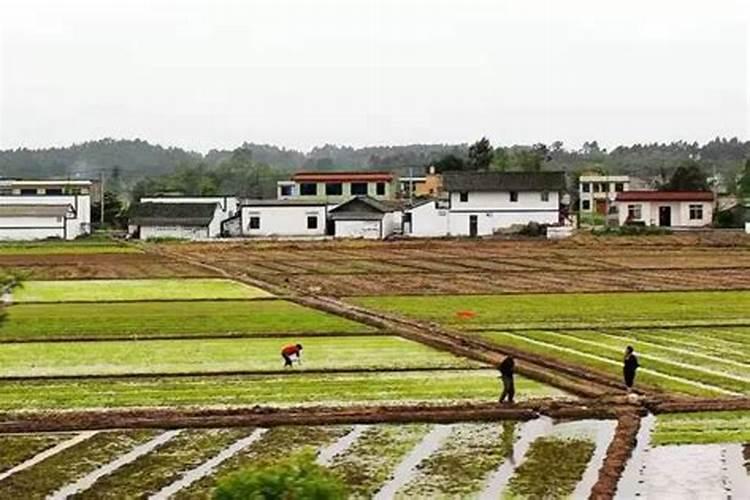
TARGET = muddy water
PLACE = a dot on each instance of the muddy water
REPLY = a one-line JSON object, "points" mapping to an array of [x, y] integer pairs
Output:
{"points": [[528, 432], [602, 432], [407, 468]]}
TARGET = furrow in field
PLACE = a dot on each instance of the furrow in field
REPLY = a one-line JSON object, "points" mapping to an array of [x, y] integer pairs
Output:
{"points": [[406, 470], [84, 483], [608, 365], [328, 453], [164, 465], [208, 467], [46, 453]]}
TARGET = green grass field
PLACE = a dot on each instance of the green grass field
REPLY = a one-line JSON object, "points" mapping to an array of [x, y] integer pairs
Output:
{"points": [[134, 289], [702, 428], [214, 355], [65, 247], [283, 390], [144, 319], [499, 311]]}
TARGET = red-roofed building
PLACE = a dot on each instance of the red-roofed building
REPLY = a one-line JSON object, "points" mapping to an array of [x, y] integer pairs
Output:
{"points": [[337, 186], [665, 208]]}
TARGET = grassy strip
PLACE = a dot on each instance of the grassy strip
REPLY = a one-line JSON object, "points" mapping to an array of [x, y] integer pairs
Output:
{"points": [[65, 248], [142, 319], [163, 466], [52, 474], [552, 469], [134, 289], [292, 390], [460, 467], [567, 308], [275, 444], [613, 350], [702, 428], [599, 362], [16, 449], [368, 464], [217, 355]]}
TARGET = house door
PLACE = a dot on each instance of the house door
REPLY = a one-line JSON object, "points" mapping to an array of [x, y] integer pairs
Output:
{"points": [[473, 226], [601, 207], [665, 216]]}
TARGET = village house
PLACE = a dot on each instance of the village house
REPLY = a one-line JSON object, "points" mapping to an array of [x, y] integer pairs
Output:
{"points": [[42, 209], [337, 187], [192, 221], [429, 185], [665, 208], [481, 203], [365, 217], [229, 205], [279, 218], [597, 192]]}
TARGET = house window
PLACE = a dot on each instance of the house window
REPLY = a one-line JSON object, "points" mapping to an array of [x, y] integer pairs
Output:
{"points": [[312, 222], [254, 222], [359, 188], [464, 196], [619, 187], [286, 190], [380, 188], [634, 212], [53, 191], [28, 192], [514, 196], [334, 189], [585, 205], [545, 196], [586, 187], [308, 189], [696, 212]]}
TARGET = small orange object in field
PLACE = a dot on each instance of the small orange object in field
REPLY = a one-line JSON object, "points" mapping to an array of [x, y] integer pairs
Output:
{"points": [[466, 314]]}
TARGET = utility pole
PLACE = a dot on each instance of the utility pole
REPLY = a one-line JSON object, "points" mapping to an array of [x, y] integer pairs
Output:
{"points": [[101, 198]]}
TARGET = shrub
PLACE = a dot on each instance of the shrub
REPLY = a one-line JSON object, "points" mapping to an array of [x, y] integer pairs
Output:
{"points": [[295, 478]]}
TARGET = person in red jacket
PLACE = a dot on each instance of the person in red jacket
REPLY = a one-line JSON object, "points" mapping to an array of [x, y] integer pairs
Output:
{"points": [[292, 350]]}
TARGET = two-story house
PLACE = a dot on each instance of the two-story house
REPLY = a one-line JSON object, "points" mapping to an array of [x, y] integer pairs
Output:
{"points": [[597, 192], [338, 187]]}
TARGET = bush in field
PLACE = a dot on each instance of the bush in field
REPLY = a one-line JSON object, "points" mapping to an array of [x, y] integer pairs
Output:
{"points": [[295, 478]]}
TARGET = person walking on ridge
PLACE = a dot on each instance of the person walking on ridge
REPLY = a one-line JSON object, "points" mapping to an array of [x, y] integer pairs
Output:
{"points": [[289, 352], [629, 366], [506, 369]]}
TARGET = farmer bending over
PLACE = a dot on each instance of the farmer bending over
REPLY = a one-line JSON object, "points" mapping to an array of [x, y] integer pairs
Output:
{"points": [[506, 374], [291, 351], [629, 366]]}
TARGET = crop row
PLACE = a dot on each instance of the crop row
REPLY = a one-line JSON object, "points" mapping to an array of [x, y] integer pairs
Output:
{"points": [[282, 390], [27, 322], [375, 457], [218, 355], [702, 428]]}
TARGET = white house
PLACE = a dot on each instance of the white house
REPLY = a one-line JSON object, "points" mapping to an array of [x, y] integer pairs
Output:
{"points": [[665, 208], [279, 218], [427, 219], [191, 221], [481, 203], [596, 192], [365, 217], [40, 209]]}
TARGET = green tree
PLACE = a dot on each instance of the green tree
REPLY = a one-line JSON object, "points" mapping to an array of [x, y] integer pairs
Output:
{"points": [[688, 177], [531, 159], [295, 478], [113, 210], [744, 184], [449, 163], [480, 154], [500, 160]]}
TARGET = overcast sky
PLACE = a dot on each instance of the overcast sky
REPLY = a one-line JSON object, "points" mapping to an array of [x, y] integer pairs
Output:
{"points": [[208, 74]]}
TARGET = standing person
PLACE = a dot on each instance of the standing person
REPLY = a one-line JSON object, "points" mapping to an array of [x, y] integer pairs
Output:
{"points": [[629, 366], [506, 373], [292, 350]]}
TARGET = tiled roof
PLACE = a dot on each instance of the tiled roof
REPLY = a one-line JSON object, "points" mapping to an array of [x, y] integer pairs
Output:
{"points": [[665, 196], [166, 214], [503, 181]]}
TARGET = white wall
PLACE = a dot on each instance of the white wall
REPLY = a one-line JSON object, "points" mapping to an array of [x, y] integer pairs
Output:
{"points": [[77, 226], [31, 228], [181, 232], [427, 221], [680, 212], [368, 229], [284, 220], [494, 211]]}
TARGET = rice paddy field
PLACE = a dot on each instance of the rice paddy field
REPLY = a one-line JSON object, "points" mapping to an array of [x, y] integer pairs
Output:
{"points": [[196, 329]]}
